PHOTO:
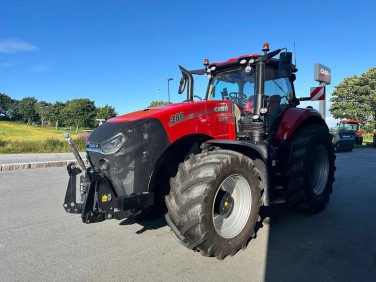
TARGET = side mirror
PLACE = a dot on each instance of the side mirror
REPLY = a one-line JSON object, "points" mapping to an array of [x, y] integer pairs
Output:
{"points": [[186, 76], [285, 64], [182, 84]]}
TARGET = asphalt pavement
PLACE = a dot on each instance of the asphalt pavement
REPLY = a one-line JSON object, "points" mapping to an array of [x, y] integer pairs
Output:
{"points": [[31, 161]]}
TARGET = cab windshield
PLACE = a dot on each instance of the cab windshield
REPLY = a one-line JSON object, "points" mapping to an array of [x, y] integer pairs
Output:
{"points": [[239, 86], [349, 126]]}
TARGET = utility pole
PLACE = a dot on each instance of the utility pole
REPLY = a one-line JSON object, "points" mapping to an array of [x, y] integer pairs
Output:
{"points": [[322, 103]]}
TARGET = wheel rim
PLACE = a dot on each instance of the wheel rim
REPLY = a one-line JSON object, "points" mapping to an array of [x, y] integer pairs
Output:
{"points": [[232, 206], [319, 170]]}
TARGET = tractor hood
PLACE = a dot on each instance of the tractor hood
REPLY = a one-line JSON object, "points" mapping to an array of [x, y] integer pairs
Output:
{"points": [[210, 118], [129, 129], [155, 112], [137, 140]]}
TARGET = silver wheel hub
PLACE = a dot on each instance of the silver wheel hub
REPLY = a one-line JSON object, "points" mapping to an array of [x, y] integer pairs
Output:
{"points": [[232, 206]]}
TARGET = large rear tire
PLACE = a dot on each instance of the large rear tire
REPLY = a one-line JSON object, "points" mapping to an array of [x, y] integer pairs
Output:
{"points": [[310, 175], [214, 202]]}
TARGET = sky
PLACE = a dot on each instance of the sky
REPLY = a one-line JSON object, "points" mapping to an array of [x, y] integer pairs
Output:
{"points": [[120, 52]]}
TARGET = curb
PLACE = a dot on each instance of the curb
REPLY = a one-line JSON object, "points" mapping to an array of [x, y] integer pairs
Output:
{"points": [[32, 165]]}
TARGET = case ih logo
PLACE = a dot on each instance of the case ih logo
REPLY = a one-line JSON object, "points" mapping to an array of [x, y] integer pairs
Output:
{"points": [[223, 108], [325, 73], [322, 73], [92, 145]]}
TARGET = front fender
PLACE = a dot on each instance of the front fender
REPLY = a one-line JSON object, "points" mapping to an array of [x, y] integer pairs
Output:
{"points": [[247, 148], [255, 150]]}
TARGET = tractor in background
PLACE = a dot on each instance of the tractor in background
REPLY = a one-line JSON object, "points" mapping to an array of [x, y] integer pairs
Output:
{"points": [[354, 125]]}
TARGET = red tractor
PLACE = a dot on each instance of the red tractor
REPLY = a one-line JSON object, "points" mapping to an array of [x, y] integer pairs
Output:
{"points": [[354, 125], [213, 161]]}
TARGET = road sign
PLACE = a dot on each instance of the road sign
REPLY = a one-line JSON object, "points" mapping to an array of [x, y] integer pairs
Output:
{"points": [[317, 93]]}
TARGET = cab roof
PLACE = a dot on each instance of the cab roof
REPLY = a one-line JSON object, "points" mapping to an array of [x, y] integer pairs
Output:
{"points": [[237, 61]]}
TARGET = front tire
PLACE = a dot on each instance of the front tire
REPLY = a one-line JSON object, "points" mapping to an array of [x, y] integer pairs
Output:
{"points": [[310, 175], [214, 202]]}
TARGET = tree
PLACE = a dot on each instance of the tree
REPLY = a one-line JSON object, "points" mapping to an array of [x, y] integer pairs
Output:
{"points": [[14, 110], [80, 113], [157, 103], [42, 110], [55, 113], [5, 102], [368, 80], [355, 97], [27, 109], [9, 108], [106, 112]]}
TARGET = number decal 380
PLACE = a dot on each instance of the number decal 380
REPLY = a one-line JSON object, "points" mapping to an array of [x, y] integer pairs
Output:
{"points": [[176, 117]]}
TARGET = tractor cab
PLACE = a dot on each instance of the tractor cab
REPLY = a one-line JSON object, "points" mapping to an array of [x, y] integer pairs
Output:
{"points": [[349, 124], [260, 87], [235, 80]]}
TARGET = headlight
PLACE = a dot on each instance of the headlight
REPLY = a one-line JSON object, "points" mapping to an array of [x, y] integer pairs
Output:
{"points": [[113, 144]]}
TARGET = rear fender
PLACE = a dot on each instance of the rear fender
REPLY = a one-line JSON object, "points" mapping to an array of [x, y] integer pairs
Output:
{"points": [[295, 117]]}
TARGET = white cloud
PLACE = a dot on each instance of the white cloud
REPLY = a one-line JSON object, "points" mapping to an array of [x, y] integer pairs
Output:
{"points": [[8, 46]]}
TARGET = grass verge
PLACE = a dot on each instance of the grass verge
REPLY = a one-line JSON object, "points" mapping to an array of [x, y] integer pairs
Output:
{"points": [[51, 145], [20, 138]]}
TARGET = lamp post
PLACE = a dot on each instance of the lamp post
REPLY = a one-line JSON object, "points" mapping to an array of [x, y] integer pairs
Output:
{"points": [[168, 87]]}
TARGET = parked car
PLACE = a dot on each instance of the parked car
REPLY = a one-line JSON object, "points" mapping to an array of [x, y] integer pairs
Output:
{"points": [[343, 140]]}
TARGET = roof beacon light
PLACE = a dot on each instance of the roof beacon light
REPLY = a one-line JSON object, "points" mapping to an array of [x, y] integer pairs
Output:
{"points": [[206, 63], [265, 48]]}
